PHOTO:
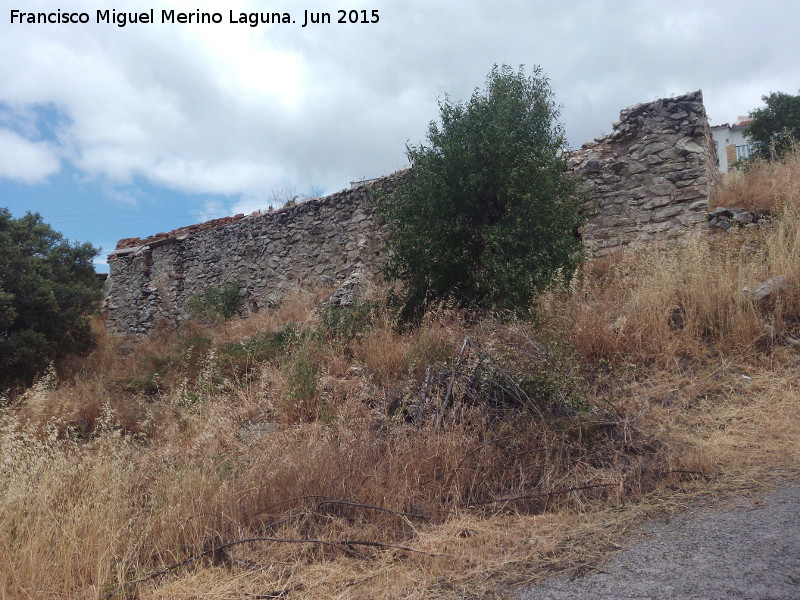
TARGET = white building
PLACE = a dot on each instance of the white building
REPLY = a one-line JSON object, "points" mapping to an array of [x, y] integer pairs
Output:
{"points": [[730, 143]]}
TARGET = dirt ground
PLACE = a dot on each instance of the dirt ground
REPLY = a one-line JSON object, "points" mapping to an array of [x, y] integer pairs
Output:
{"points": [[748, 550]]}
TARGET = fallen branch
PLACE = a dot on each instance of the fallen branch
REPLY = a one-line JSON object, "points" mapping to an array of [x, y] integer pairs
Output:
{"points": [[382, 545], [372, 507], [220, 550], [449, 392], [542, 494]]}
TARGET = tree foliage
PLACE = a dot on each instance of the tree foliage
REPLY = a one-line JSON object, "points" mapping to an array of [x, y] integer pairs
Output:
{"points": [[776, 127], [47, 284], [488, 212]]}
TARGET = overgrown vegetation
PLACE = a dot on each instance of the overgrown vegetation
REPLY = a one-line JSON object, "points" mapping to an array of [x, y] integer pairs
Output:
{"points": [[47, 284], [311, 453], [488, 213], [222, 302], [775, 129], [763, 185]]}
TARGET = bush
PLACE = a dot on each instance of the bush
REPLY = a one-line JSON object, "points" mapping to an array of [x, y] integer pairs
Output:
{"points": [[488, 213], [303, 382], [239, 358], [348, 322], [47, 285], [214, 303], [775, 129]]}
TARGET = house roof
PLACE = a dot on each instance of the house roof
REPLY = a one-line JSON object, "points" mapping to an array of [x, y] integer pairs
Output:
{"points": [[739, 123]]}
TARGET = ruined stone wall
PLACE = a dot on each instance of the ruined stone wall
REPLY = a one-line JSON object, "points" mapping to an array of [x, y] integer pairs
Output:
{"points": [[333, 242], [651, 177]]}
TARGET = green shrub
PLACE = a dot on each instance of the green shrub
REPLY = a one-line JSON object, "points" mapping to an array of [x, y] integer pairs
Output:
{"points": [[216, 302], [238, 358], [488, 212], [347, 322], [302, 380], [775, 130]]}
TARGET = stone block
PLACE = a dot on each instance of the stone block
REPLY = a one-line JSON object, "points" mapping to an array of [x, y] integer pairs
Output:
{"points": [[662, 189], [700, 205], [692, 218], [668, 212], [657, 227], [656, 202]]}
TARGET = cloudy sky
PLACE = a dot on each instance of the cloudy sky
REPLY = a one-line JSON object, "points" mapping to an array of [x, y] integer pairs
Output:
{"points": [[113, 132]]}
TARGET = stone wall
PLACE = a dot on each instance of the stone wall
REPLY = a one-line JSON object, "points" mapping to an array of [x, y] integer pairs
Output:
{"points": [[333, 242], [650, 178]]}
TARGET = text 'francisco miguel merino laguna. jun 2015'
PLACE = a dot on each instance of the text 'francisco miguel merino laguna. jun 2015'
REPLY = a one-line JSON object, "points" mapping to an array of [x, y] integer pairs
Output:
{"points": [[253, 19]]}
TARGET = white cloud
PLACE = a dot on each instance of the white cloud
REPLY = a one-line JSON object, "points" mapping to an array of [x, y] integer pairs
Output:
{"points": [[212, 209], [24, 160], [235, 110]]}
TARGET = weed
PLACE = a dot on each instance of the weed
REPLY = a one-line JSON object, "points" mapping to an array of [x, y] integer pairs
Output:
{"points": [[147, 385], [347, 322], [302, 381], [217, 302], [761, 185], [259, 348]]}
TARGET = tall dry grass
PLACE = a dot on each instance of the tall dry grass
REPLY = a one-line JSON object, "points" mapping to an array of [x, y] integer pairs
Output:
{"points": [[378, 436], [761, 185], [659, 305], [363, 460]]}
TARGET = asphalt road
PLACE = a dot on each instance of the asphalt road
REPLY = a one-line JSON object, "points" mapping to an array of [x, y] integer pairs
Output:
{"points": [[750, 551]]}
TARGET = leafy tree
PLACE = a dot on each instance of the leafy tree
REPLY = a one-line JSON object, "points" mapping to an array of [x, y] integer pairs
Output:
{"points": [[776, 127], [488, 212], [47, 284]]}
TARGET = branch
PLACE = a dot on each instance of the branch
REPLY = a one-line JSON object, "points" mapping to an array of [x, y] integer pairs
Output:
{"points": [[221, 549], [370, 506], [382, 545], [449, 392], [542, 494]]}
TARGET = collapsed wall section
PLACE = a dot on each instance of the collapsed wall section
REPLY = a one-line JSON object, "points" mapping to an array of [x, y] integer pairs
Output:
{"points": [[333, 242], [651, 177]]}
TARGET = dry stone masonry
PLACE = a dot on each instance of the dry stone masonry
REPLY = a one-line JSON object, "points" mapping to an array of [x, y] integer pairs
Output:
{"points": [[334, 241], [649, 179]]}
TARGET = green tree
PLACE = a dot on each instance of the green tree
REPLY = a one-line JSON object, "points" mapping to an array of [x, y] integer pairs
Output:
{"points": [[776, 127], [488, 212], [47, 284]]}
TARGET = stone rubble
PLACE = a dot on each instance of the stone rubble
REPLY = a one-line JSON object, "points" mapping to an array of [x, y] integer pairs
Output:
{"points": [[766, 290], [725, 218]]}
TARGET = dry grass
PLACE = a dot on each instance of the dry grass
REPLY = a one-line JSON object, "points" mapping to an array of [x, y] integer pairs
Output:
{"points": [[664, 305], [479, 453], [763, 185]]}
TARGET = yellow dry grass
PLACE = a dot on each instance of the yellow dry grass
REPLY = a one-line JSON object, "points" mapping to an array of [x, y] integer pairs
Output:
{"points": [[762, 185], [134, 460]]}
